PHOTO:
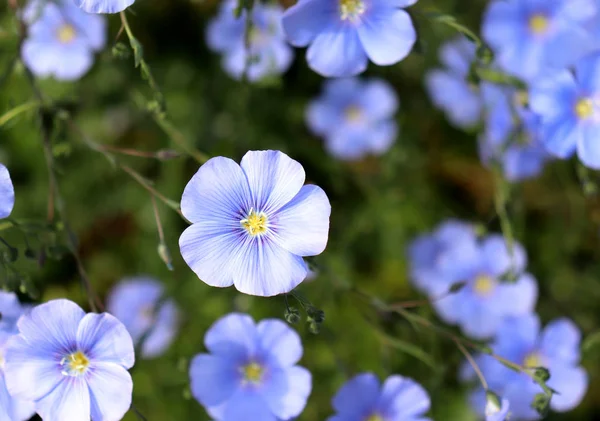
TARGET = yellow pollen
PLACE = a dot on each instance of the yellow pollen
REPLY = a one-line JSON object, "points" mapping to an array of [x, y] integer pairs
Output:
{"points": [[538, 24], [532, 360], [66, 33], [255, 223], [252, 372], [374, 417], [354, 114], [351, 9], [484, 285], [584, 108], [77, 363]]}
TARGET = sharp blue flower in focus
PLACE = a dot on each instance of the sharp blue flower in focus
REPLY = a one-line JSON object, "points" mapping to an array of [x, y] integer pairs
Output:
{"points": [[134, 302], [364, 398], [511, 133], [344, 34], [10, 310], [252, 223], [103, 6], [269, 52], [530, 37], [556, 348], [72, 365], [62, 41], [450, 89], [7, 193], [355, 117], [251, 369], [568, 104]]}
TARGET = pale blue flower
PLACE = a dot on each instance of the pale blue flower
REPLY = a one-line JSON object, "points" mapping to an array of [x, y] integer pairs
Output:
{"points": [[73, 366], [530, 37], [568, 104], [138, 304], [355, 117], [62, 41], [269, 52], [252, 223], [364, 398], [250, 370], [7, 193], [103, 6], [344, 34]]}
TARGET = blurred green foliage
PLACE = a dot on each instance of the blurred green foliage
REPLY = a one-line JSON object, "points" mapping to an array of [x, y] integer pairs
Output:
{"points": [[379, 205]]}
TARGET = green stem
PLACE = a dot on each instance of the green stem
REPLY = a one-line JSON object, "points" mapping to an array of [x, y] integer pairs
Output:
{"points": [[9, 115]]}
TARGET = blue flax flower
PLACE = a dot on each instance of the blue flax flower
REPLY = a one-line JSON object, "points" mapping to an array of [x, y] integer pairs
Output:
{"points": [[555, 348], [10, 310], [531, 36], [569, 107], [73, 366], [344, 34], [62, 41], [252, 223], [364, 398], [103, 6], [269, 52], [355, 117], [511, 133], [449, 88], [7, 193], [137, 303], [251, 369]]}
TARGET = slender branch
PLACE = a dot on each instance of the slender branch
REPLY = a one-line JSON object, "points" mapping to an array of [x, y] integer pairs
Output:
{"points": [[9, 115], [473, 363]]}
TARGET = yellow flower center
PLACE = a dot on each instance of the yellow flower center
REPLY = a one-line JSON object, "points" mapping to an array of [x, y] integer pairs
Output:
{"points": [[532, 360], [374, 417], [484, 285], [255, 223], [351, 9], [75, 364], [354, 114], [584, 108], [538, 24], [66, 33], [253, 372]]}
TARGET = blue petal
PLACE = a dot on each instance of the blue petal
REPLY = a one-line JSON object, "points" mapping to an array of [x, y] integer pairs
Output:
{"points": [[517, 298], [105, 339], [383, 137], [163, 333], [500, 26], [403, 398], [477, 320], [560, 341], [214, 379], [561, 136], [70, 401], [358, 396], [571, 383], [520, 394], [279, 342], [274, 179], [498, 259], [337, 52], [522, 162], [457, 56], [322, 117], [7, 193], [517, 335], [304, 21], [349, 142], [302, 226], [454, 96], [387, 35], [553, 97], [110, 387], [225, 32], [89, 28], [379, 100], [233, 335], [588, 147], [103, 6], [287, 391], [247, 401], [587, 72], [13, 409]]}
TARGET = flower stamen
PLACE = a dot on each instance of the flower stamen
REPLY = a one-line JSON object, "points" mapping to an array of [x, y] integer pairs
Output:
{"points": [[255, 223], [66, 33], [75, 364], [539, 24], [351, 9], [484, 285], [374, 417], [252, 373], [584, 108]]}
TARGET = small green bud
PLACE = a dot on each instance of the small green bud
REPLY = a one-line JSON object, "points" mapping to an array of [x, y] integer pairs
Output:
{"points": [[541, 374], [165, 255], [315, 314], [314, 327], [493, 403], [541, 403], [292, 315], [457, 286], [121, 51]]}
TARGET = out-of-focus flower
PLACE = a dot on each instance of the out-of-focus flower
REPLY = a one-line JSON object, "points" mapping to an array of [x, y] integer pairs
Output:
{"points": [[355, 117], [62, 41], [269, 53], [7, 193], [136, 302], [569, 107], [73, 366], [556, 348], [449, 88], [251, 369], [252, 223], [364, 398], [103, 6], [344, 34], [10, 310]]}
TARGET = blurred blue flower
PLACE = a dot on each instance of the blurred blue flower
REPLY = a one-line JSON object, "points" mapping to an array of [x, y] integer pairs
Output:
{"points": [[529, 37], [450, 89], [7, 193], [569, 107], [72, 365], [344, 34], [556, 348], [511, 133], [364, 398], [355, 117], [251, 369], [10, 311], [252, 224], [134, 302], [269, 52], [62, 40], [103, 6]]}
